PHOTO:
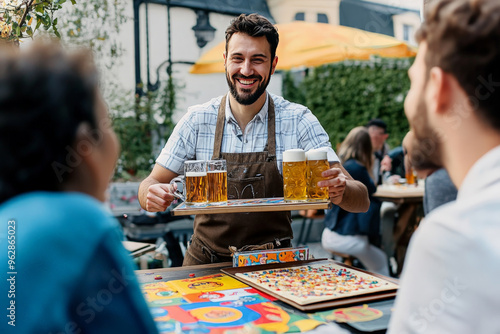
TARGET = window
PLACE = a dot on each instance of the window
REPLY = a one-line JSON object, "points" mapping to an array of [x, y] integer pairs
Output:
{"points": [[407, 33], [300, 16], [322, 18]]}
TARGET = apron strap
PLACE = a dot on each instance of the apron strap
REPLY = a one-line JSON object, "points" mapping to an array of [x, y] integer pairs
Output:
{"points": [[271, 130], [219, 129]]}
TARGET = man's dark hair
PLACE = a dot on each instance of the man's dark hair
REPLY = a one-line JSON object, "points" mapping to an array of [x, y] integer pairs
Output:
{"points": [[45, 94], [463, 40], [254, 25], [378, 123]]}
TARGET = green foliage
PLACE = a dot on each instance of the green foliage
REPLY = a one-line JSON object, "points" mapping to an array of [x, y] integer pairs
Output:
{"points": [[135, 140], [20, 19], [143, 130], [349, 94]]}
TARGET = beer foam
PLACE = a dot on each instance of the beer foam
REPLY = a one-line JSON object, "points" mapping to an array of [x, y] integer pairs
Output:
{"points": [[316, 155], [196, 174], [294, 155]]}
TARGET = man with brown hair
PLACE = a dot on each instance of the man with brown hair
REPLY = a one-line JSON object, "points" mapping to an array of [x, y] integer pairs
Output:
{"points": [[250, 129], [450, 280]]}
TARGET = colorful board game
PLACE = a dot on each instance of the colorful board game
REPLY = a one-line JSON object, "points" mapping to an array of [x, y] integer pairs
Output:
{"points": [[218, 304], [316, 283]]}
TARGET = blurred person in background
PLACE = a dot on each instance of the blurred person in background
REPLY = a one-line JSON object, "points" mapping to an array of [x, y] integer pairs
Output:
{"points": [[377, 129], [356, 234], [58, 154]]}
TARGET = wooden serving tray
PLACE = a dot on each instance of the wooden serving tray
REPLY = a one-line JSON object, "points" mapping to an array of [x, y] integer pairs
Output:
{"points": [[250, 205], [331, 303]]}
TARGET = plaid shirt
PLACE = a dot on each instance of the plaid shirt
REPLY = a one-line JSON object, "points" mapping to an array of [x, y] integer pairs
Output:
{"points": [[194, 135]]}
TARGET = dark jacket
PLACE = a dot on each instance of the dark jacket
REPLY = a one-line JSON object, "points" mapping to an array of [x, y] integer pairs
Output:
{"points": [[347, 223]]}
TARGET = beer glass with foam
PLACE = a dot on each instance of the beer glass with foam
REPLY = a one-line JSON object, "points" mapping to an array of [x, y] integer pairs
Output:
{"points": [[294, 176], [194, 183], [217, 181], [317, 163]]}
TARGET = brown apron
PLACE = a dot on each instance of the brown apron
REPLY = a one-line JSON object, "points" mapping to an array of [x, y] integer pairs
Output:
{"points": [[249, 175]]}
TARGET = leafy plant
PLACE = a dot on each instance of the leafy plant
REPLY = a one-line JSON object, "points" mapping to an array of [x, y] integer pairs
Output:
{"points": [[22, 18], [145, 130], [349, 94]]}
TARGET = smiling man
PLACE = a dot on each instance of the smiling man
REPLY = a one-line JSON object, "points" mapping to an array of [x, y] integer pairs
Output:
{"points": [[250, 129], [450, 279]]}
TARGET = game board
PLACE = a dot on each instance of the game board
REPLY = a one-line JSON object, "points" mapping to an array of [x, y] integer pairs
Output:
{"points": [[206, 283], [249, 205], [218, 304], [317, 284]]}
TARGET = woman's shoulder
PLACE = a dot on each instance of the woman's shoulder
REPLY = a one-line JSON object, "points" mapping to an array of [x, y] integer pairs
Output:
{"points": [[58, 211], [353, 165]]}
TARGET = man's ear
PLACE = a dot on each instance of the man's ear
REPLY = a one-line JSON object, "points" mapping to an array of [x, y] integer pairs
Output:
{"points": [[274, 63], [438, 90]]}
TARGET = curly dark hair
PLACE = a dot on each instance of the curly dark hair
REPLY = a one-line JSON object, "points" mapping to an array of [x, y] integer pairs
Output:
{"points": [[45, 94], [254, 25], [463, 39]]}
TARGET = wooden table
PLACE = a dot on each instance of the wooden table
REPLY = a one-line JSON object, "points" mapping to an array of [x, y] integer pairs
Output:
{"points": [[409, 200], [168, 274], [137, 249], [400, 194]]}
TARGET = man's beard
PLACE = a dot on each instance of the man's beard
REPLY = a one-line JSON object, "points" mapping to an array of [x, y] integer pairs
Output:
{"points": [[246, 98], [426, 152]]}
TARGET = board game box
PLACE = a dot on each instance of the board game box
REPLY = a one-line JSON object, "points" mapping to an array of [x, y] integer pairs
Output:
{"points": [[268, 256]]}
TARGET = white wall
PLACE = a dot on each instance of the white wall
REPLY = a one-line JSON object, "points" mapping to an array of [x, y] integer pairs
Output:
{"points": [[284, 11], [410, 19]]}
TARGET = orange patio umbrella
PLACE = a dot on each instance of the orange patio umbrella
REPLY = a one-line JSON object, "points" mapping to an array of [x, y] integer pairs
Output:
{"points": [[313, 44]]}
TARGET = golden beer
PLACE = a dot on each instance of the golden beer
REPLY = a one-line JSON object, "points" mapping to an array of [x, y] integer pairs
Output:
{"points": [[217, 186], [294, 176], [314, 170], [410, 176], [317, 163], [196, 188]]}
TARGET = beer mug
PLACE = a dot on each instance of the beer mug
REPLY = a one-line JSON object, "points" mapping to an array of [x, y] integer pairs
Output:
{"points": [[217, 181], [410, 176], [294, 176], [194, 183], [317, 163]]}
